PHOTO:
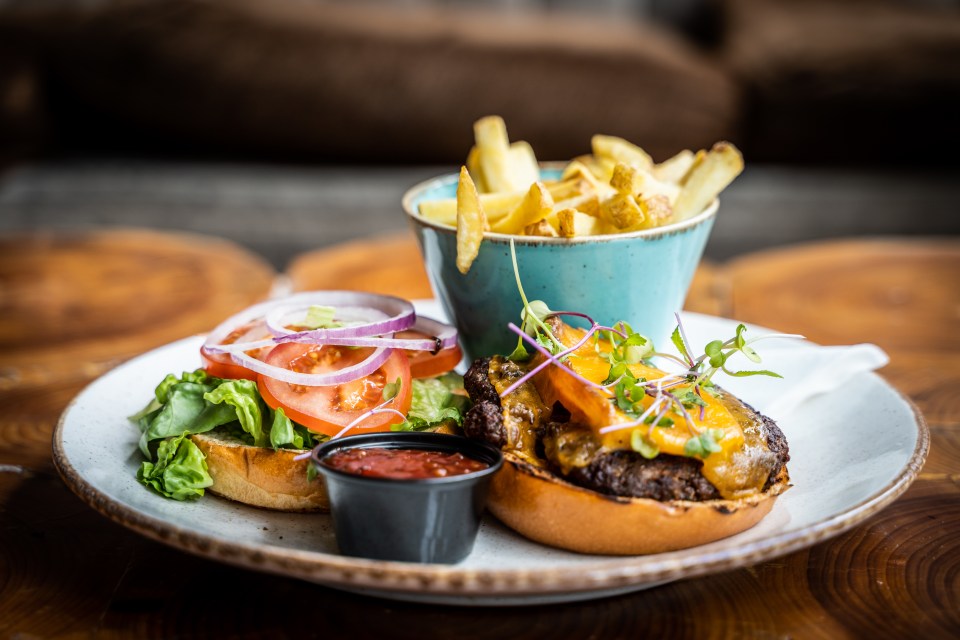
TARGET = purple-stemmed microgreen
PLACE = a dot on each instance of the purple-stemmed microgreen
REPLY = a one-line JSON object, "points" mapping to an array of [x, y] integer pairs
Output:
{"points": [[532, 318], [677, 392]]}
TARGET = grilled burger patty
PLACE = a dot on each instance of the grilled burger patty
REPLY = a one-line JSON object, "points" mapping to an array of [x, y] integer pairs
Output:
{"points": [[621, 472]]}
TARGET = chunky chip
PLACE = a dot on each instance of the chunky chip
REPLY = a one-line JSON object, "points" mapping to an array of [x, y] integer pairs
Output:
{"points": [[618, 188], [471, 222]]}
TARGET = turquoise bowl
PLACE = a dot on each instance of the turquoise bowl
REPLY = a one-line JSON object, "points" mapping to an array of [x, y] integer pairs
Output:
{"points": [[640, 277]]}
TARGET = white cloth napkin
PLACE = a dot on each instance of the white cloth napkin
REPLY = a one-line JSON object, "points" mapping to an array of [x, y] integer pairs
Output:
{"points": [[807, 369]]}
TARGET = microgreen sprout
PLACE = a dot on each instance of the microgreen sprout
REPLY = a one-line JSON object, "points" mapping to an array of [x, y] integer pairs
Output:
{"points": [[532, 318], [678, 392]]}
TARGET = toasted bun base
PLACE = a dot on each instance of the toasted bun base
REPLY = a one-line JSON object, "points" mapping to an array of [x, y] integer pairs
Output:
{"points": [[546, 509], [260, 477]]}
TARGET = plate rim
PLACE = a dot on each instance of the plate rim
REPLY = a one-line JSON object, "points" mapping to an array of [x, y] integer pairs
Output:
{"points": [[595, 575]]}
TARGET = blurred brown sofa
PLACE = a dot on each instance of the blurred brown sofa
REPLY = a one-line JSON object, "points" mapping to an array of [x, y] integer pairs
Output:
{"points": [[851, 82]]}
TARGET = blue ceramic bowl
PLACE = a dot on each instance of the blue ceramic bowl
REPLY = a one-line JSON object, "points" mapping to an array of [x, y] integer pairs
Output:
{"points": [[640, 277]]}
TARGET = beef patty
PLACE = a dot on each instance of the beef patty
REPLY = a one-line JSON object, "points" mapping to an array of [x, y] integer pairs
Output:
{"points": [[622, 472]]}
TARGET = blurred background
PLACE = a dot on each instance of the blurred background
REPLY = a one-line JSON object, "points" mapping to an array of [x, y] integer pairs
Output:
{"points": [[289, 125]]}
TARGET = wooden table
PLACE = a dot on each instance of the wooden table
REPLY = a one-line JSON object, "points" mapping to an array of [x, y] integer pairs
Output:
{"points": [[73, 306]]}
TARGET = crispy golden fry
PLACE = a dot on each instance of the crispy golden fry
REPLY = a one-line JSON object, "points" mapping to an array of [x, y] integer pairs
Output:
{"points": [[698, 159], [619, 150], [542, 228], [601, 168], [579, 170], [674, 169], [471, 222], [563, 189], [495, 206], [573, 223], [476, 169], [657, 211], [534, 207], [493, 153], [707, 179], [588, 203], [626, 179], [618, 188], [622, 211], [524, 166]]}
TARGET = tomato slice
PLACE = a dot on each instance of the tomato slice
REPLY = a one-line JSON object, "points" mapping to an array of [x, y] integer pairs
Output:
{"points": [[329, 409], [221, 365], [424, 364]]}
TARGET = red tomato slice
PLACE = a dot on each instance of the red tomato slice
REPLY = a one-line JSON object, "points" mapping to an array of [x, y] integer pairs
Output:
{"points": [[424, 364], [221, 365], [329, 409]]}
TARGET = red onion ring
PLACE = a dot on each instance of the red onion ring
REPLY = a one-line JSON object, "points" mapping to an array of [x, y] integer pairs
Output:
{"points": [[442, 337], [400, 315], [341, 376], [381, 317], [280, 318], [257, 311]]}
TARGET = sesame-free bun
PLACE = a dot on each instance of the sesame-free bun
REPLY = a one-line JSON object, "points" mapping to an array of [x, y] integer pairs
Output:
{"points": [[541, 506], [259, 476]]}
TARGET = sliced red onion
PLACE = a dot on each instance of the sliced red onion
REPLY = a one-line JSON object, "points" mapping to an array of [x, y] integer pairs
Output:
{"points": [[295, 315], [400, 315], [258, 311], [441, 336], [341, 376]]}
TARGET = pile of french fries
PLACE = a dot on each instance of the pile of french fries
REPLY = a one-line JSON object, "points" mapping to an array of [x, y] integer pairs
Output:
{"points": [[616, 189]]}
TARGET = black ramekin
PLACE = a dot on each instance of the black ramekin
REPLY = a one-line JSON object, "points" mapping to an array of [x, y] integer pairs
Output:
{"points": [[430, 520]]}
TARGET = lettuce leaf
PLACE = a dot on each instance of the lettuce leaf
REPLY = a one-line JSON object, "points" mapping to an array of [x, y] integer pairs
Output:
{"points": [[435, 402], [283, 432], [243, 396], [180, 471]]}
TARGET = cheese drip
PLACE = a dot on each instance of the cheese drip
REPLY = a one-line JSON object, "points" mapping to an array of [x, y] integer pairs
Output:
{"points": [[738, 470]]}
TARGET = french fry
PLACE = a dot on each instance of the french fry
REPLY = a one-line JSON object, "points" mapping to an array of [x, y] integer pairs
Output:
{"points": [[495, 206], [563, 189], [493, 153], [657, 211], [476, 169], [534, 207], [542, 228], [622, 211], [674, 169], [471, 222], [601, 168], [615, 189], [707, 179], [574, 223], [524, 167], [588, 203], [619, 150], [626, 179]]}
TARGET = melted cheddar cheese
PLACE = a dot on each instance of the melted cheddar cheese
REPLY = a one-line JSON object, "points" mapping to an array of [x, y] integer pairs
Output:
{"points": [[739, 469]]}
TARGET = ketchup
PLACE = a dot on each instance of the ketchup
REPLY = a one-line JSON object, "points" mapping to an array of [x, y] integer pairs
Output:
{"points": [[401, 464]]}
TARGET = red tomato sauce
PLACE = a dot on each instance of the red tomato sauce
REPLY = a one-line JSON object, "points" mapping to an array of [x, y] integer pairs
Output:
{"points": [[402, 464]]}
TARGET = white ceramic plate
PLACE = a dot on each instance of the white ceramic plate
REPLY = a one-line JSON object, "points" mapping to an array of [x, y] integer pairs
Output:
{"points": [[853, 451]]}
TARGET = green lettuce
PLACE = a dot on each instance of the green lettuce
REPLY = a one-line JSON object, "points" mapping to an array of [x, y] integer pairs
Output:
{"points": [[435, 402], [196, 402], [243, 396], [180, 471]]}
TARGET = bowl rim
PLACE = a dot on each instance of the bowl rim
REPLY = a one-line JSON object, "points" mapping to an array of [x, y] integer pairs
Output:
{"points": [[427, 441], [505, 238]]}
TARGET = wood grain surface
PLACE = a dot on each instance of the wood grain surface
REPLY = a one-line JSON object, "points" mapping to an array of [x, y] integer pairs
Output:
{"points": [[65, 571]]}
